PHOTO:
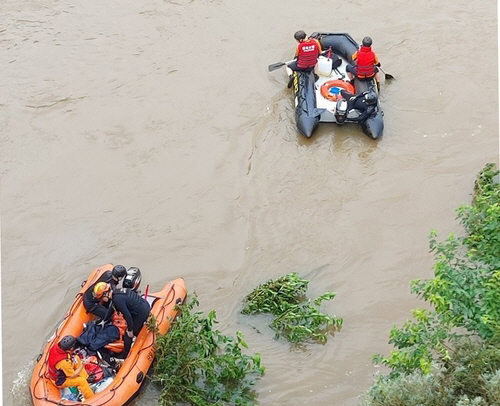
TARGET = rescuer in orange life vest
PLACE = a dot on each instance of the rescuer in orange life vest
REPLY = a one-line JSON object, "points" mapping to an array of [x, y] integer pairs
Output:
{"points": [[366, 63], [307, 53], [65, 369]]}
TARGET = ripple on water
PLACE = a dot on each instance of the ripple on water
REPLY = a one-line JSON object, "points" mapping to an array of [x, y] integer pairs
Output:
{"points": [[20, 387]]}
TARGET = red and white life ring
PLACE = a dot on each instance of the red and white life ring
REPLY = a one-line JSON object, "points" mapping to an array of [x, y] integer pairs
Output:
{"points": [[331, 90]]}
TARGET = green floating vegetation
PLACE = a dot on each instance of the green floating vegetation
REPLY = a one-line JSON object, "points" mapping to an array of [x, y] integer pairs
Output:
{"points": [[297, 319], [198, 365]]}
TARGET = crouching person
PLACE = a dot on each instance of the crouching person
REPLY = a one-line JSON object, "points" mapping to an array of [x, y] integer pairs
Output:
{"points": [[66, 369], [135, 310]]}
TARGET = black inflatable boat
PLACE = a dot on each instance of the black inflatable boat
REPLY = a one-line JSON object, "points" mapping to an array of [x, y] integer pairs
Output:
{"points": [[318, 100]]}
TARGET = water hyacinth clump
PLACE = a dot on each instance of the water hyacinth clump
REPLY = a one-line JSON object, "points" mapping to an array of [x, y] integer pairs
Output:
{"points": [[198, 365], [297, 318]]}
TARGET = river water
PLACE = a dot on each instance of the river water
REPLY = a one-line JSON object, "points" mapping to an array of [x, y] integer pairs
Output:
{"points": [[151, 134]]}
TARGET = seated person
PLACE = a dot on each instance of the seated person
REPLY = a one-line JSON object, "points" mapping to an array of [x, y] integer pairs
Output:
{"points": [[65, 369], [366, 63], [365, 103], [306, 54], [94, 304]]}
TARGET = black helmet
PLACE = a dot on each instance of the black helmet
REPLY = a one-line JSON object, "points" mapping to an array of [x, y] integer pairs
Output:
{"points": [[133, 278], [367, 42], [119, 271], [299, 35], [371, 98], [67, 342]]}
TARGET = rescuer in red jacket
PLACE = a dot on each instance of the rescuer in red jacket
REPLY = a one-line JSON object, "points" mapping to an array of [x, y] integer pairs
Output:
{"points": [[366, 63], [306, 54], [66, 369]]}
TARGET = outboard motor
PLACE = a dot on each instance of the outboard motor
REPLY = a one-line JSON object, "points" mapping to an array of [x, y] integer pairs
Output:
{"points": [[341, 111], [132, 279]]}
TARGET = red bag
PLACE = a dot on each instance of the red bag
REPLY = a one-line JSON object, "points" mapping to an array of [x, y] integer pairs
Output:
{"points": [[93, 369]]}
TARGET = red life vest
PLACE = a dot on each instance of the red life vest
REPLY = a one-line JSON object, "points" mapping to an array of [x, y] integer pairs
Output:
{"points": [[55, 355], [307, 53], [365, 65]]}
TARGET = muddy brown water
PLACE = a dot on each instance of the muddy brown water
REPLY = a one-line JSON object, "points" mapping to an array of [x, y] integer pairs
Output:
{"points": [[151, 134]]}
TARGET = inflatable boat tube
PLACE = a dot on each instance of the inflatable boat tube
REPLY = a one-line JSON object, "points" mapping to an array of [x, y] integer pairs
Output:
{"points": [[125, 385], [307, 115]]}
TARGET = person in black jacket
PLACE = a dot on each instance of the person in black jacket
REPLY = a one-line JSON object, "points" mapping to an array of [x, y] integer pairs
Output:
{"points": [[365, 103], [135, 310], [96, 305]]}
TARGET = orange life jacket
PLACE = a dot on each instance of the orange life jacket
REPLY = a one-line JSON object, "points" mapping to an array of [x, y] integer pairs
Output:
{"points": [[307, 53], [119, 321], [365, 65]]}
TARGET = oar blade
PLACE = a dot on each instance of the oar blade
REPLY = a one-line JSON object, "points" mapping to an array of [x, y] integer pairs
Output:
{"points": [[387, 76], [275, 66]]}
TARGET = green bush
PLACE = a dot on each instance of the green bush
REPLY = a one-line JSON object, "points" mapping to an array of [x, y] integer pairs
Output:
{"points": [[198, 365], [455, 345], [470, 377]]}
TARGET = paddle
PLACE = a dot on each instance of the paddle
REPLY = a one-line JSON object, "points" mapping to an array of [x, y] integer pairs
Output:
{"points": [[388, 76], [278, 65]]}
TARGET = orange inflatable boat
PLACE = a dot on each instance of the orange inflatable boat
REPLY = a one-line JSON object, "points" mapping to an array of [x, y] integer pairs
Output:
{"points": [[124, 386]]}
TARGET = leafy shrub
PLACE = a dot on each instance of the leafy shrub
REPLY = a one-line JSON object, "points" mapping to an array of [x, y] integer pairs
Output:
{"points": [[435, 347], [296, 318], [198, 365], [470, 377]]}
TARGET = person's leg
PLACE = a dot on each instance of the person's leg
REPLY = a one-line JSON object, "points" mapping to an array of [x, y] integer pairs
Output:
{"points": [[351, 71], [293, 65], [142, 316], [81, 383], [127, 343]]}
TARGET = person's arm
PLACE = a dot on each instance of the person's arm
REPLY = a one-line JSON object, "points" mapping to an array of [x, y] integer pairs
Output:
{"points": [[100, 311], [345, 94], [376, 62], [364, 115], [109, 311], [79, 366], [319, 45], [121, 306], [67, 367]]}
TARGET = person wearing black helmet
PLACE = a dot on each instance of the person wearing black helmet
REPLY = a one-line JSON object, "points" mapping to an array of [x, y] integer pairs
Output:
{"points": [[365, 103], [95, 305], [366, 63], [306, 54], [66, 369]]}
